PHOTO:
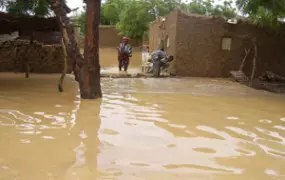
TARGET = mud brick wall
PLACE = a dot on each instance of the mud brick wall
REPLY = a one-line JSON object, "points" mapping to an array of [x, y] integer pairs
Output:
{"points": [[198, 45], [166, 31], [270, 47], [199, 42], [45, 37], [42, 59], [109, 37]]}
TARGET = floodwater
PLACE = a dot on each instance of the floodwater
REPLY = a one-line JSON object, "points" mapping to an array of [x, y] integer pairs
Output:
{"points": [[109, 57], [142, 129]]}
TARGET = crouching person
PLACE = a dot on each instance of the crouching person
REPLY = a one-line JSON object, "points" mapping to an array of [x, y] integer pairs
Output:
{"points": [[160, 61]]}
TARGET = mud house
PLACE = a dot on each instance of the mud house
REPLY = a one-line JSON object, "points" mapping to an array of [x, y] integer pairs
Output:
{"points": [[211, 46], [33, 42]]}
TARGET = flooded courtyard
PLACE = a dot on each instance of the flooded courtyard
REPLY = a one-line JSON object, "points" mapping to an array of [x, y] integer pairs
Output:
{"points": [[189, 128]]}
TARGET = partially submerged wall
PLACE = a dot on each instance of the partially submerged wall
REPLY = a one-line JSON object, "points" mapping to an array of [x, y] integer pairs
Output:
{"points": [[196, 43], [199, 47], [42, 59], [198, 50]]}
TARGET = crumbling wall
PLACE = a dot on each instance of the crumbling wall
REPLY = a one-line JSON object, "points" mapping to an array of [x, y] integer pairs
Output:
{"points": [[41, 58], [45, 37], [163, 32], [270, 51], [199, 47]]}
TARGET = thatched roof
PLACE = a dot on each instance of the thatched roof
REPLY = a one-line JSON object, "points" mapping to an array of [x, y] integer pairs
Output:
{"points": [[10, 23]]}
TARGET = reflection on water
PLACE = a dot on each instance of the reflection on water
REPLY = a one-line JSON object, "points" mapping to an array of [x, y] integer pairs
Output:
{"points": [[142, 129]]}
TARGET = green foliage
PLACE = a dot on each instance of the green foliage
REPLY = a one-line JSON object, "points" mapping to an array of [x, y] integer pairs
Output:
{"points": [[207, 7], [112, 9], [27, 7], [134, 20], [132, 17], [266, 12], [82, 22]]}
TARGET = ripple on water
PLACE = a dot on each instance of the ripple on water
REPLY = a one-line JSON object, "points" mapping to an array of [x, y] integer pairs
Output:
{"points": [[280, 127], [177, 126], [205, 150], [203, 168], [30, 132], [265, 121], [241, 131], [4, 167], [7, 121], [39, 113], [171, 145], [271, 147], [232, 118], [25, 141], [245, 152], [48, 137], [130, 123], [140, 164], [219, 134], [282, 119], [275, 135], [113, 172], [109, 132], [271, 172]]}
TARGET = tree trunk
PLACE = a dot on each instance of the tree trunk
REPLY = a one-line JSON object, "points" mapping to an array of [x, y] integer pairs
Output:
{"points": [[87, 70], [91, 88], [60, 9]]}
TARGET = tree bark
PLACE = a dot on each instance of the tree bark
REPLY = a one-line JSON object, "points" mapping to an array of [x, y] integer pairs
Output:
{"points": [[87, 70], [60, 9], [91, 88]]}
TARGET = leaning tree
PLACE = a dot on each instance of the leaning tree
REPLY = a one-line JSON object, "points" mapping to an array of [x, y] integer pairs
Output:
{"points": [[86, 68]]}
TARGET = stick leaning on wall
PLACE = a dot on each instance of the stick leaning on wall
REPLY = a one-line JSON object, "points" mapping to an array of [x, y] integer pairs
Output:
{"points": [[60, 83]]}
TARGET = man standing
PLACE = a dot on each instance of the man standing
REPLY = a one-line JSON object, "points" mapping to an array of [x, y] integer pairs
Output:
{"points": [[124, 54]]}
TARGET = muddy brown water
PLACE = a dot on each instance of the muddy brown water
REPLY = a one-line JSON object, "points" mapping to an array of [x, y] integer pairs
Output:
{"points": [[208, 129], [109, 57]]}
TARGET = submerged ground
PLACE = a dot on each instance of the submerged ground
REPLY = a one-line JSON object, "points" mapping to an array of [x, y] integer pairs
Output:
{"points": [[149, 129]]}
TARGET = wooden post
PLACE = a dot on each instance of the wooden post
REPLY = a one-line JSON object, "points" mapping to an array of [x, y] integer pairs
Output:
{"points": [[27, 65], [91, 88], [27, 69]]}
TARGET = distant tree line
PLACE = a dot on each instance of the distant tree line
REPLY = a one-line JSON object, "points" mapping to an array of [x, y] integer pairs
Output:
{"points": [[132, 17]]}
